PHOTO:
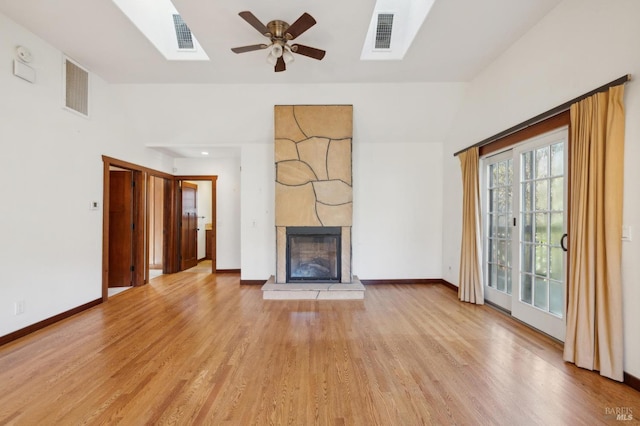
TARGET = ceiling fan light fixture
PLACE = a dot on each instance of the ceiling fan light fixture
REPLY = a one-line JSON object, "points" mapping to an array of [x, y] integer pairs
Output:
{"points": [[277, 50], [280, 33], [271, 60], [287, 55]]}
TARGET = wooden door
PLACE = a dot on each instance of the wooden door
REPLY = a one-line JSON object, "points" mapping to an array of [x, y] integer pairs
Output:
{"points": [[189, 226], [120, 228]]}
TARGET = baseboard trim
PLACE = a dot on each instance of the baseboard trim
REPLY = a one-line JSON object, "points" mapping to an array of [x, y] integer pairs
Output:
{"points": [[46, 322], [252, 282], [403, 281], [227, 271], [631, 381], [449, 285], [413, 281]]}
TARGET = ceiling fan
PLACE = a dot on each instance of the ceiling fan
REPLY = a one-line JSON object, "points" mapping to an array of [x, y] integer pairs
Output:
{"points": [[280, 33]]}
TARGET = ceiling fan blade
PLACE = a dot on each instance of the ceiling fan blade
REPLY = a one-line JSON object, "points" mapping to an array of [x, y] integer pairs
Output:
{"points": [[311, 52], [303, 23], [280, 65], [249, 48], [255, 23]]}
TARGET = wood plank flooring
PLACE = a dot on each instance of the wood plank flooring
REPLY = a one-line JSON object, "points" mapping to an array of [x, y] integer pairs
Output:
{"points": [[193, 348]]}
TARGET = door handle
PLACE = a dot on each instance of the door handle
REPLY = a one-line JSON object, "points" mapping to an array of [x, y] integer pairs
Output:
{"points": [[562, 241]]}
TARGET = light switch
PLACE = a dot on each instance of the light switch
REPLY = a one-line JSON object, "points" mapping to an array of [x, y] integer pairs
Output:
{"points": [[626, 233]]}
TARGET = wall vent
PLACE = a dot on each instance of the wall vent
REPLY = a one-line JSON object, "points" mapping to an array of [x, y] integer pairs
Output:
{"points": [[76, 87], [183, 33], [383, 31]]}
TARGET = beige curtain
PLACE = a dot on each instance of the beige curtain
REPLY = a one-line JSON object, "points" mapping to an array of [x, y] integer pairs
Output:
{"points": [[470, 288], [594, 305]]}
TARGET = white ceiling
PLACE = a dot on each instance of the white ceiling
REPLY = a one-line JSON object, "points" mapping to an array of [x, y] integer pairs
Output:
{"points": [[458, 39]]}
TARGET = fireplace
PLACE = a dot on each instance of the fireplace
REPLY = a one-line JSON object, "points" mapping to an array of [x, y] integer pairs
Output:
{"points": [[313, 204], [313, 254], [313, 194]]}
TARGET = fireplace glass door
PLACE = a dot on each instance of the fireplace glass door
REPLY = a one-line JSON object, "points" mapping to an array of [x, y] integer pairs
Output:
{"points": [[313, 254]]}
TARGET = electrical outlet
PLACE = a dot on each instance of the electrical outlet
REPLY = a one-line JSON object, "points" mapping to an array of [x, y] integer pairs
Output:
{"points": [[94, 205], [19, 307]]}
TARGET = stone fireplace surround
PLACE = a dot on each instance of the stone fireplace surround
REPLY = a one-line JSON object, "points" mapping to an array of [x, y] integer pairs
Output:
{"points": [[313, 189]]}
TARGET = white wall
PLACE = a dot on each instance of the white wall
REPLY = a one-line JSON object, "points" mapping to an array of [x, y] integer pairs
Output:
{"points": [[397, 160], [257, 212], [50, 172], [228, 203], [397, 219], [579, 46], [237, 114]]}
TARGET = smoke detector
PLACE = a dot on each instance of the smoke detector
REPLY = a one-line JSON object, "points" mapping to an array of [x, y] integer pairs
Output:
{"points": [[24, 54]]}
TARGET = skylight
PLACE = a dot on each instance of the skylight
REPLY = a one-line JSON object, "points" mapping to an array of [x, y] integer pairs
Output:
{"points": [[394, 24], [162, 24]]}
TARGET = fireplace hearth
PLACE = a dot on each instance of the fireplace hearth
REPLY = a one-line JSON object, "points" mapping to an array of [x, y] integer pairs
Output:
{"points": [[313, 254]]}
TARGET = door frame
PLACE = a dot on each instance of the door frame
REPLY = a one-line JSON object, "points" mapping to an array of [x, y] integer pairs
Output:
{"points": [[139, 210], [177, 214], [172, 207]]}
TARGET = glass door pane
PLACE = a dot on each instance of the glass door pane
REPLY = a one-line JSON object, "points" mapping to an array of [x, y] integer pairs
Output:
{"points": [[540, 165], [498, 216]]}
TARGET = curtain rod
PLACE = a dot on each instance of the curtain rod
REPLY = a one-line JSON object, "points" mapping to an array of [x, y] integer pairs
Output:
{"points": [[554, 111]]}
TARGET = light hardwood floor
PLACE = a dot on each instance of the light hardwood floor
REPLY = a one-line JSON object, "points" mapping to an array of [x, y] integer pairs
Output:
{"points": [[191, 348]]}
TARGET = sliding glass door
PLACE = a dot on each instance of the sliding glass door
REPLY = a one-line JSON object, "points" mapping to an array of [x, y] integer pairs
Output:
{"points": [[525, 229], [499, 230]]}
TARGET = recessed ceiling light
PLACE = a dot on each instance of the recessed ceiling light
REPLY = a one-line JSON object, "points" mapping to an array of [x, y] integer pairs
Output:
{"points": [[204, 153]]}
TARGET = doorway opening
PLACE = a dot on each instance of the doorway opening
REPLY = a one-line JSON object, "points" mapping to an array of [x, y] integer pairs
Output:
{"points": [[198, 221], [125, 198], [156, 226], [189, 226], [142, 223]]}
